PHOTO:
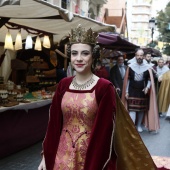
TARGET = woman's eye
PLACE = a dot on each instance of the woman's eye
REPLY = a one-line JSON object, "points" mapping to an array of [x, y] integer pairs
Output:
{"points": [[73, 53], [85, 53]]}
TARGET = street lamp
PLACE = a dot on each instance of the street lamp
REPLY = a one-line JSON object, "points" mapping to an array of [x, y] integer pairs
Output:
{"points": [[152, 24]]}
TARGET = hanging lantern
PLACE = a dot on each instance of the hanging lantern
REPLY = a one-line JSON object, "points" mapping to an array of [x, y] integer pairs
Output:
{"points": [[38, 44], [18, 41], [46, 42], [8, 42], [28, 43]]}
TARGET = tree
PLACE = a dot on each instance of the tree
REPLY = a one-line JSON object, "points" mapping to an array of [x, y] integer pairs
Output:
{"points": [[163, 24]]}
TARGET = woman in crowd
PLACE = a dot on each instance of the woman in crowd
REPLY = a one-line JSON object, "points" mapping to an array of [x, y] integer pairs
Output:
{"points": [[101, 71], [84, 117]]}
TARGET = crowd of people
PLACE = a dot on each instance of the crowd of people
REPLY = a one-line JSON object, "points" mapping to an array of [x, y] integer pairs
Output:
{"points": [[138, 83], [95, 115]]}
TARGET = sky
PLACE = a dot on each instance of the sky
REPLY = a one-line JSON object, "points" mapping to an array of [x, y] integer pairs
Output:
{"points": [[158, 5]]}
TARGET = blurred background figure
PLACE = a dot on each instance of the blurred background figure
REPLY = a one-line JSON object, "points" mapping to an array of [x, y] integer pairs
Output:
{"points": [[100, 70], [117, 74], [164, 94], [106, 63], [160, 69], [55, 69]]}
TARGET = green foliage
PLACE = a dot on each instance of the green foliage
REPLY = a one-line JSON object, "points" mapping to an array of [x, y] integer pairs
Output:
{"points": [[163, 24]]}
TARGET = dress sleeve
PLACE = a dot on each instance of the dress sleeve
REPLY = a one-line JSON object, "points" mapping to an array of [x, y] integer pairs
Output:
{"points": [[100, 144]]}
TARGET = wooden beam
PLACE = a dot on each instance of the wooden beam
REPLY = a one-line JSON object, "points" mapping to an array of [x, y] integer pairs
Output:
{"points": [[3, 20]]}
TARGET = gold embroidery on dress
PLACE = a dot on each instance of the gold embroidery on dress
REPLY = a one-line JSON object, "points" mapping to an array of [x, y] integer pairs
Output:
{"points": [[79, 111]]}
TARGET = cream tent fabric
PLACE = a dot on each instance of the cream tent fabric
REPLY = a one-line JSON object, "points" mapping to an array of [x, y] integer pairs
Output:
{"points": [[39, 14]]}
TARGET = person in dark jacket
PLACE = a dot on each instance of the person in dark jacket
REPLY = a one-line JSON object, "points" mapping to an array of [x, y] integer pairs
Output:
{"points": [[117, 74]]}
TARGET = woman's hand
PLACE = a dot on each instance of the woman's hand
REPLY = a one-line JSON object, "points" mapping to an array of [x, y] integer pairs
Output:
{"points": [[42, 165]]}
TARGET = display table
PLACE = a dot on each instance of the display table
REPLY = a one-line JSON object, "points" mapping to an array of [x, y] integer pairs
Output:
{"points": [[22, 125]]}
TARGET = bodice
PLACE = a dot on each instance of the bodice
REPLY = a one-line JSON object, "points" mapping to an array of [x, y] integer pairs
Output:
{"points": [[79, 111]]}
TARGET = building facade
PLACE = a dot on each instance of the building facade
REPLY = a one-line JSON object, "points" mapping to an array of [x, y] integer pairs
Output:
{"points": [[115, 14], [86, 8], [139, 12], [138, 16]]}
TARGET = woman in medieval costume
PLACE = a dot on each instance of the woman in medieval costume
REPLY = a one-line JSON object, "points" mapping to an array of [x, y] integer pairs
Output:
{"points": [[89, 128]]}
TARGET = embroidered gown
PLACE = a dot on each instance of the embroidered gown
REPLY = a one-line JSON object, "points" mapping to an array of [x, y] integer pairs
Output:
{"points": [[79, 111], [80, 131]]}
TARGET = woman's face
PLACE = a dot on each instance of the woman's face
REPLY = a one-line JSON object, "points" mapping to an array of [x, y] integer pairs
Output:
{"points": [[81, 57]]}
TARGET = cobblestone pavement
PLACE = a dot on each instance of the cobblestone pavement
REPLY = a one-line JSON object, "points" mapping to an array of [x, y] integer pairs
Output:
{"points": [[158, 144], [27, 159]]}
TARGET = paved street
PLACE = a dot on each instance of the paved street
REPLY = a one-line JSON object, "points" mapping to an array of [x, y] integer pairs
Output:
{"points": [[28, 159]]}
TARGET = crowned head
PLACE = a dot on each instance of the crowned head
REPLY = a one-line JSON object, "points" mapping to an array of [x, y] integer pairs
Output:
{"points": [[80, 35]]}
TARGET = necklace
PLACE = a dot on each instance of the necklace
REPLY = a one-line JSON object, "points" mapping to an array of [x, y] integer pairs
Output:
{"points": [[84, 85]]}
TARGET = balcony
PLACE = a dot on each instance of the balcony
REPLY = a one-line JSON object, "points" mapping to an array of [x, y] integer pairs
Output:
{"points": [[141, 20], [141, 5], [140, 12]]}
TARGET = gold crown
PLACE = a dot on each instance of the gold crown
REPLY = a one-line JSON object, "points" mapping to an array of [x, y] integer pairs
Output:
{"points": [[80, 35]]}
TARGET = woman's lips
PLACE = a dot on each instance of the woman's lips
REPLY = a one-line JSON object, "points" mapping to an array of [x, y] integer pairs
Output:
{"points": [[79, 65]]}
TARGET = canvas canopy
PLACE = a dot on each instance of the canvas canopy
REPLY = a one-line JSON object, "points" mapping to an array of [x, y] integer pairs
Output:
{"points": [[43, 16], [114, 41]]}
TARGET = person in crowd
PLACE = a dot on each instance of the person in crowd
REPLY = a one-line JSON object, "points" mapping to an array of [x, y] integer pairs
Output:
{"points": [[117, 74], [82, 120], [164, 94], [138, 82], [148, 58], [160, 70], [106, 63], [112, 63], [55, 68], [168, 63], [100, 70]]}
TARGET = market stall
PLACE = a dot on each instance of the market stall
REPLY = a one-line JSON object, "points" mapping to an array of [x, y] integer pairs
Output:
{"points": [[22, 125]]}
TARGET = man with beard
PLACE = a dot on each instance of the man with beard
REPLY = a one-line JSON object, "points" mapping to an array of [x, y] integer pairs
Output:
{"points": [[148, 58], [139, 93]]}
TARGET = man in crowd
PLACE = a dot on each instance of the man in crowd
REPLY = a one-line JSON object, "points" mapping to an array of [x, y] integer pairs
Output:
{"points": [[139, 93], [117, 74], [160, 70]]}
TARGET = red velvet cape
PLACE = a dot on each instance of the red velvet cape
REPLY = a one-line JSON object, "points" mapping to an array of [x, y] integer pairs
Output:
{"points": [[100, 144]]}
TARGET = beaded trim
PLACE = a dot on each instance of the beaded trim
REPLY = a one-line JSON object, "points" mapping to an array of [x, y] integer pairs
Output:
{"points": [[82, 86]]}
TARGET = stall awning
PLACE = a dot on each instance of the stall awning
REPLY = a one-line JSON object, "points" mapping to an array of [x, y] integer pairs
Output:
{"points": [[41, 15], [114, 41]]}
